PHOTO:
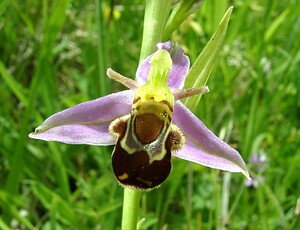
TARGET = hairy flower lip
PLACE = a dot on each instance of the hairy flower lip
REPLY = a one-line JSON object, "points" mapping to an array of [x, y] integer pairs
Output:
{"points": [[85, 124]]}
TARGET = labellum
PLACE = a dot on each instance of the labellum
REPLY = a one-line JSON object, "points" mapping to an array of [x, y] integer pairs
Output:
{"points": [[146, 137], [142, 155]]}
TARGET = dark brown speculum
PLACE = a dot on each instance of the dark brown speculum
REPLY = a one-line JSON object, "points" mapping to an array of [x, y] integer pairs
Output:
{"points": [[142, 155], [134, 170], [148, 127]]}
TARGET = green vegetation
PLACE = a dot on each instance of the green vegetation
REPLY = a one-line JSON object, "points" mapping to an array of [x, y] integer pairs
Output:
{"points": [[54, 54]]}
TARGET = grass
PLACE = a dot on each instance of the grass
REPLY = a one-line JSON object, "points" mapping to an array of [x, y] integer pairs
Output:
{"points": [[53, 55]]}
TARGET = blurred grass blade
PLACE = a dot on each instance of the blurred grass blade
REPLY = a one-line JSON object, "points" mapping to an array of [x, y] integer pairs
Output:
{"points": [[100, 84], [3, 226], [42, 77], [15, 87], [213, 10], [24, 17], [201, 69], [182, 10], [176, 179], [13, 205], [62, 209], [273, 28]]}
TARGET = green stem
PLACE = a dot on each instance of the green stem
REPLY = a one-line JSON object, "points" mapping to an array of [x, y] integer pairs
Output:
{"points": [[156, 15], [131, 204], [100, 81]]}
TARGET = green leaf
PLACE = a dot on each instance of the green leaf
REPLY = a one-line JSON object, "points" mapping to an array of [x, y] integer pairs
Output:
{"points": [[201, 69]]}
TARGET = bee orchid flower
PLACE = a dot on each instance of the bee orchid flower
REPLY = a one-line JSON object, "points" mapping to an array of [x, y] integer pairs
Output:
{"points": [[147, 124]]}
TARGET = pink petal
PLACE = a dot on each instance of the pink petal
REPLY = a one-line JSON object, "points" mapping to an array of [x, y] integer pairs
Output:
{"points": [[203, 146], [180, 66], [86, 123]]}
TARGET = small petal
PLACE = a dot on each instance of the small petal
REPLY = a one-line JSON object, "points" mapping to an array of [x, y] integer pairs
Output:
{"points": [[86, 123], [129, 83], [203, 146], [179, 69]]}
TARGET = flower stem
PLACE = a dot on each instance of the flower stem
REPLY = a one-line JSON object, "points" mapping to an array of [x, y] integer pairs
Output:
{"points": [[100, 82], [131, 204], [156, 15]]}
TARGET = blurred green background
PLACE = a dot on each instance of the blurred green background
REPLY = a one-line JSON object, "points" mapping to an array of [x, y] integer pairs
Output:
{"points": [[54, 54]]}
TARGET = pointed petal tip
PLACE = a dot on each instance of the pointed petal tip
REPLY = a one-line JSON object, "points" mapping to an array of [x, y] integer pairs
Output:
{"points": [[203, 146], [246, 174], [37, 130]]}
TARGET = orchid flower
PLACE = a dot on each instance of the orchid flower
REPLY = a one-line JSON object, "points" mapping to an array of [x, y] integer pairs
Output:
{"points": [[147, 124]]}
